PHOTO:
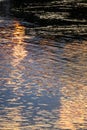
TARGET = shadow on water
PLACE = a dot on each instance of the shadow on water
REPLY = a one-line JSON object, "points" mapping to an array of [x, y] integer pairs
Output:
{"points": [[43, 82]]}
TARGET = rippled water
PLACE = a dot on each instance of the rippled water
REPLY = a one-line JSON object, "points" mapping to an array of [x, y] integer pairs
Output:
{"points": [[43, 83]]}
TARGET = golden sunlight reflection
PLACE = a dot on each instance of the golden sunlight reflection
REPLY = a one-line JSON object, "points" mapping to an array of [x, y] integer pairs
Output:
{"points": [[19, 52], [73, 110], [18, 34], [76, 65], [15, 80], [13, 120]]}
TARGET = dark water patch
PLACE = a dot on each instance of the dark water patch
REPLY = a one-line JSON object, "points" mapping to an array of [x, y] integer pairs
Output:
{"points": [[53, 18], [79, 13]]}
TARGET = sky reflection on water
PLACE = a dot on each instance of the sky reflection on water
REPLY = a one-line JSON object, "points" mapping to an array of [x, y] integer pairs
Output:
{"points": [[42, 86], [73, 110]]}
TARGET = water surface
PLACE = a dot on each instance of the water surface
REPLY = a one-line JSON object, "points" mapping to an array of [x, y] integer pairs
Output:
{"points": [[43, 82]]}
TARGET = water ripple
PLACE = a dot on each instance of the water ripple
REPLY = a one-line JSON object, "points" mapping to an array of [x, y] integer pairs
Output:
{"points": [[43, 83]]}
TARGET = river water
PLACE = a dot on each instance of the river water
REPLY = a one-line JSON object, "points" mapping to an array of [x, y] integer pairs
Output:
{"points": [[43, 81]]}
